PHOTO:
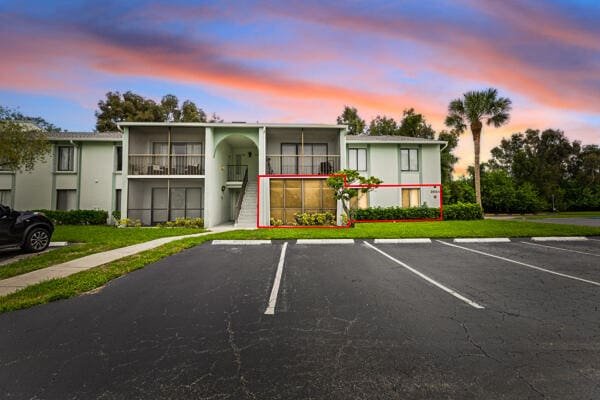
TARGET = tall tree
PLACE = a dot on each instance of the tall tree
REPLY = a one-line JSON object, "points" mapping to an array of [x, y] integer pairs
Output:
{"points": [[350, 117], [472, 109], [414, 125], [381, 126], [117, 107]]}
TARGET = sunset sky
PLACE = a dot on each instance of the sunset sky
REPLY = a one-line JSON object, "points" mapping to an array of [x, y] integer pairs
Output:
{"points": [[302, 61]]}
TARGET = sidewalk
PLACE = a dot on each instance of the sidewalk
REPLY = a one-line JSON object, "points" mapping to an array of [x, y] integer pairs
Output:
{"points": [[10, 285]]}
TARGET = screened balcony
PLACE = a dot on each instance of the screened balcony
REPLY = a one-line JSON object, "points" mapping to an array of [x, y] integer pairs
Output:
{"points": [[313, 151]]}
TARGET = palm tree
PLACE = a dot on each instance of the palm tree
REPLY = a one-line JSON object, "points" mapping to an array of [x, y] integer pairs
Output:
{"points": [[472, 109]]}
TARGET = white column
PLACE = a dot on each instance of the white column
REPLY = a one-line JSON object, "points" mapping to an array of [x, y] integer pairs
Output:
{"points": [[210, 181], [125, 174], [262, 150]]}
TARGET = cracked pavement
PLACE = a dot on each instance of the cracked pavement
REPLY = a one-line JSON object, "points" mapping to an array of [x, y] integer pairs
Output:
{"points": [[349, 324]]}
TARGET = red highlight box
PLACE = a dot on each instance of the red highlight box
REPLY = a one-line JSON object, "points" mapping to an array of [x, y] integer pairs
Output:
{"points": [[356, 186]]}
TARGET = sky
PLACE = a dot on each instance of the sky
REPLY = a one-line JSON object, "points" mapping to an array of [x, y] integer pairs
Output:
{"points": [[302, 61]]}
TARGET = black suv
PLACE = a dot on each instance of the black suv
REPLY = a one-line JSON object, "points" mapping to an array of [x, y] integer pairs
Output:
{"points": [[28, 229]]}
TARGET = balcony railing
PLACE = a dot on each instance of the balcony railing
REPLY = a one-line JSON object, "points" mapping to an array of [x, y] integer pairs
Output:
{"points": [[163, 164], [279, 164]]}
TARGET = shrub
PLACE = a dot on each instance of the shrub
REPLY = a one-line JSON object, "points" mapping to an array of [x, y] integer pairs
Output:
{"points": [[396, 213], [463, 211], [194, 223], [129, 223], [77, 217], [116, 215], [315, 219], [275, 222]]}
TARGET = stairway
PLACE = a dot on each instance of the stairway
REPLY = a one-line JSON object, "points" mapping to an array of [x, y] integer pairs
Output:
{"points": [[247, 217]]}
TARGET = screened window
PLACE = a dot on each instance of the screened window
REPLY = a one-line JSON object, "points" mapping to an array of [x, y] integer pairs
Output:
{"points": [[357, 159], [119, 155], [5, 197], [118, 200], [411, 197], [66, 200], [65, 158], [311, 158], [409, 159]]}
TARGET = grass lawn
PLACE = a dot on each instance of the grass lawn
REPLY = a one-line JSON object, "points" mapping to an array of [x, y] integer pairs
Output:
{"points": [[566, 214], [438, 229], [85, 281], [94, 239]]}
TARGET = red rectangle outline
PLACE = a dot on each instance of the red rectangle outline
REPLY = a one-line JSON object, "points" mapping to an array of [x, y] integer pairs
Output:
{"points": [[358, 186]]}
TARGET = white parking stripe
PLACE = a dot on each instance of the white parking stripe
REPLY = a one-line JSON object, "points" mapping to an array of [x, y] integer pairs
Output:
{"points": [[325, 241], [401, 241], [563, 249], [482, 240], [523, 264], [273, 299], [428, 279], [558, 238], [240, 242]]}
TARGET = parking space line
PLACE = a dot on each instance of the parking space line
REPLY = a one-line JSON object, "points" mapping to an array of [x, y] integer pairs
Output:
{"points": [[558, 238], [482, 240], [428, 279], [561, 248], [240, 242], [273, 299], [522, 263], [325, 241], [401, 241]]}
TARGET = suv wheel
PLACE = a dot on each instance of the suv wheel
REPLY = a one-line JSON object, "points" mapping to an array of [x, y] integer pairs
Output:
{"points": [[37, 240]]}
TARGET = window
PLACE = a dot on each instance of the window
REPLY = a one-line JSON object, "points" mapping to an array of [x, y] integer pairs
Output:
{"points": [[360, 202], [119, 155], [411, 197], [118, 200], [65, 158], [409, 159], [357, 159], [5, 197], [66, 199]]}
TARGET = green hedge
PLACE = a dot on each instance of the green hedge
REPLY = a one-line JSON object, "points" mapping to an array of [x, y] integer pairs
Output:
{"points": [[77, 217], [395, 213], [463, 211]]}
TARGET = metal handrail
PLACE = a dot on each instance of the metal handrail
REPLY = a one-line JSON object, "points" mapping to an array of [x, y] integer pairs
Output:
{"points": [[165, 164], [318, 164], [238, 204]]}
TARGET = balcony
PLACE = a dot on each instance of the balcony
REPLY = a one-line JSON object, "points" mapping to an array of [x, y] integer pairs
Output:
{"points": [[280, 164], [164, 164]]}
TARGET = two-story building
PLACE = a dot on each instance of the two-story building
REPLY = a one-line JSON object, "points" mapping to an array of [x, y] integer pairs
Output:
{"points": [[157, 172]]}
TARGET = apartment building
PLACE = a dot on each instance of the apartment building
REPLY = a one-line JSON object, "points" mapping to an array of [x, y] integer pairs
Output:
{"points": [[157, 172], [82, 171]]}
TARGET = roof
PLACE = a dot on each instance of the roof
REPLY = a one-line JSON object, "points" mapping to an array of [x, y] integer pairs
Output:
{"points": [[86, 136], [233, 125], [390, 139]]}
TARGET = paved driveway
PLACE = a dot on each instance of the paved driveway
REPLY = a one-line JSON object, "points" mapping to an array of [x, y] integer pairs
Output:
{"points": [[368, 320]]}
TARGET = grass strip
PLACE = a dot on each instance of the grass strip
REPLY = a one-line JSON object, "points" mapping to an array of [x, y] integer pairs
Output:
{"points": [[97, 239]]}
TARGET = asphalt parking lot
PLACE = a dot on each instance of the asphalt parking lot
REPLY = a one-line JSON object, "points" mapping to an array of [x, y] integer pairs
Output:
{"points": [[368, 320]]}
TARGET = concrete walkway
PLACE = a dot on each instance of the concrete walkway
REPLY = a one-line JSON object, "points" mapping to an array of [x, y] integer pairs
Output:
{"points": [[18, 282]]}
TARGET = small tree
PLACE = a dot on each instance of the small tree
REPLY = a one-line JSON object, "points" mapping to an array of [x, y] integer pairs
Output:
{"points": [[342, 192], [21, 148]]}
